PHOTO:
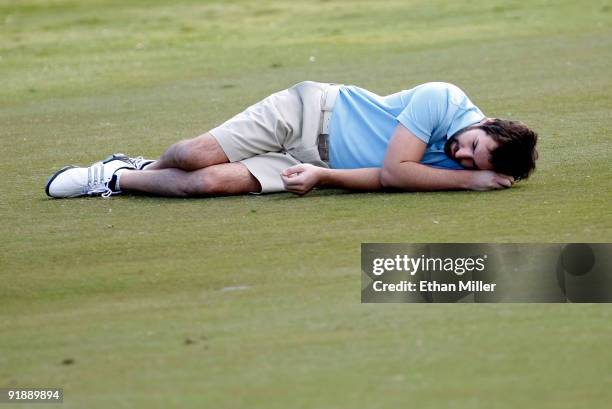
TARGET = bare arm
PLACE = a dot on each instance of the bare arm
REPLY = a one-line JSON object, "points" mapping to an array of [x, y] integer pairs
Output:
{"points": [[367, 179], [402, 169], [300, 179]]}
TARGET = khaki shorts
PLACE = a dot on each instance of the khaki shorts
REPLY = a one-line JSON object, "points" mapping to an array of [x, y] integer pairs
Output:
{"points": [[276, 133]]}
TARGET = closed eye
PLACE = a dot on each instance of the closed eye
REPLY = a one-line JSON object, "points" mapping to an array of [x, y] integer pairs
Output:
{"points": [[474, 147]]}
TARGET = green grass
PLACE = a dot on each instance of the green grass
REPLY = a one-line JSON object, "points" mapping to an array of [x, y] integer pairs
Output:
{"points": [[254, 301]]}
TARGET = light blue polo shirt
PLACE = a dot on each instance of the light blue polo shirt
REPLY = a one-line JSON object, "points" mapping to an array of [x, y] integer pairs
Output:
{"points": [[362, 123]]}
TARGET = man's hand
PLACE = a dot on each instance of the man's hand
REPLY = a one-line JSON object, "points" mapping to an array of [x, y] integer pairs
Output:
{"points": [[488, 180], [301, 179]]}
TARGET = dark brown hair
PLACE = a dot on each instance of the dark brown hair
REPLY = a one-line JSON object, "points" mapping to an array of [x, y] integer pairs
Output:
{"points": [[516, 152]]}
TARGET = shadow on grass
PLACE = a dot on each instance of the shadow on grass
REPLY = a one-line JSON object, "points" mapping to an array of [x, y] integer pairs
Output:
{"points": [[284, 196]]}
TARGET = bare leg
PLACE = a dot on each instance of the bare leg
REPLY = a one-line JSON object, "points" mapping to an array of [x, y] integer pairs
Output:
{"points": [[216, 180], [192, 154]]}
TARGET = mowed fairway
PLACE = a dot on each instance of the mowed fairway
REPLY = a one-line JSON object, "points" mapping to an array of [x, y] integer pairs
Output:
{"points": [[254, 302]]}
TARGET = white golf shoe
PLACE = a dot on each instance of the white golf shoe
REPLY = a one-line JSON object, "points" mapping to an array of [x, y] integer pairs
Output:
{"points": [[71, 181]]}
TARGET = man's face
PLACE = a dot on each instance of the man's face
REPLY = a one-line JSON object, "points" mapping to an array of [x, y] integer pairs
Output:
{"points": [[472, 149]]}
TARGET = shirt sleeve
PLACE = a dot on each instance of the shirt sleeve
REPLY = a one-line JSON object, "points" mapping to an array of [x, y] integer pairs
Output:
{"points": [[465, 112], [427, 107]]}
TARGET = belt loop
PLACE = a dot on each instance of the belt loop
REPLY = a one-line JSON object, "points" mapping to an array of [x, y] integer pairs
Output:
{"points": [[328, 100]]}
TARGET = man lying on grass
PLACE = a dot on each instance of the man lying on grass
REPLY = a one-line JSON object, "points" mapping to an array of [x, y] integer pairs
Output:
{"points": [[431, 137]]}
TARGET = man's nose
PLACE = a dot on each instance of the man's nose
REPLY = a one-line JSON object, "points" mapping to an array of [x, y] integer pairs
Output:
{"points": [[464, 153]]}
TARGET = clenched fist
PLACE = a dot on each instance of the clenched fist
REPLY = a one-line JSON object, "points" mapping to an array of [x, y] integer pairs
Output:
{"points": [[301, 179]]}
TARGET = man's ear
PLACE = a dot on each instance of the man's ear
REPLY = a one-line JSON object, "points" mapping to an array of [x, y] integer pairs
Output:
{"points": [[487, 121]]}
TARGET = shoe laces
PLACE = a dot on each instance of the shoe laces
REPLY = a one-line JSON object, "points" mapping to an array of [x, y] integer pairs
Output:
{"points": [[95, 181], [138, 161]]}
